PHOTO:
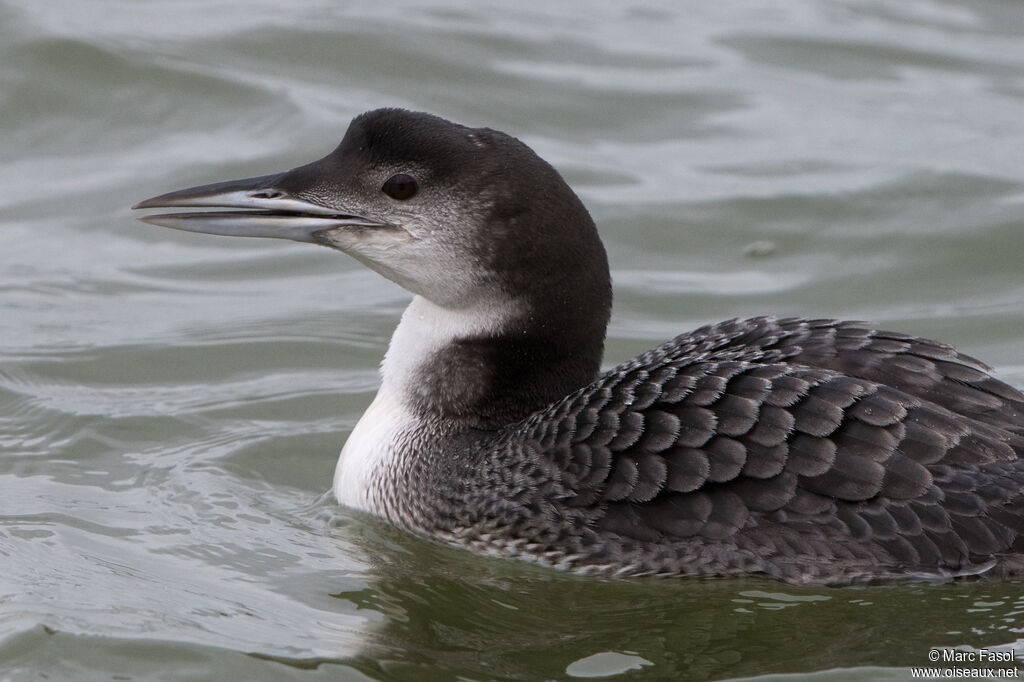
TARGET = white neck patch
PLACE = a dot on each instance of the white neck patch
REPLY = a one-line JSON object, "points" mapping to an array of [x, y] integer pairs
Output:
{"points": [[388, 432]]}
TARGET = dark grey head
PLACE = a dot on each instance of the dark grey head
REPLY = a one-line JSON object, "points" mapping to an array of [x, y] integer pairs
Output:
{"points": [[462, 217]]}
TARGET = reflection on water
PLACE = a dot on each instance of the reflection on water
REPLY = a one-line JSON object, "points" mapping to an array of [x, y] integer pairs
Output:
{"points": [[443, 607]]}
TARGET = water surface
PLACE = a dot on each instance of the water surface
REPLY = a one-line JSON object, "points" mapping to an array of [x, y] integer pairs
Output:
{"points": [[172, 405]]}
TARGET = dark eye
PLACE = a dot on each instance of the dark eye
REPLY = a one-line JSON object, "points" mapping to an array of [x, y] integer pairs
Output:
{"points": [[400, 186]]}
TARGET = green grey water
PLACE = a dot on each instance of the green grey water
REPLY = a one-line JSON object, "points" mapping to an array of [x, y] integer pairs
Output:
{"points": [[172, 405]]}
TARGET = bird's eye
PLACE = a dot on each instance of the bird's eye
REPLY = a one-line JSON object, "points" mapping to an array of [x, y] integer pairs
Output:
{"points": [[400, 186]]}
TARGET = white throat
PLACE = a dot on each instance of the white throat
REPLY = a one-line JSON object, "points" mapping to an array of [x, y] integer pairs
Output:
{"points": [[389, 434]]}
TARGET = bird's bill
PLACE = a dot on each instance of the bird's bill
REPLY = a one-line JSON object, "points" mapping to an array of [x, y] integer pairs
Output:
{"points": [[267, 211]]}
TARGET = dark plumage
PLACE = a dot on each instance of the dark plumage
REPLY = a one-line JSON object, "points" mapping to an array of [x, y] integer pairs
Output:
{"points": [[742, 447], [807, 450]]}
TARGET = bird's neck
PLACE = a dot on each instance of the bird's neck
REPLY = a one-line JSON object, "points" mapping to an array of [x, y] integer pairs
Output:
{"points": [[454, 374], [488, 364]]}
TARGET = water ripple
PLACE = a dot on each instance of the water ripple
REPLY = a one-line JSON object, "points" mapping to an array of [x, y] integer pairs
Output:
{"points": [[172, 406]]}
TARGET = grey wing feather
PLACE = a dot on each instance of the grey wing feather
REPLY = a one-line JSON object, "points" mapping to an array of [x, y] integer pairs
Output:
{"points": [[796, 439], [923, 368]]}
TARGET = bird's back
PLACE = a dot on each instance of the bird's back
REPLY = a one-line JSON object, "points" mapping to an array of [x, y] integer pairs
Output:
{"points": [[810, 450]]}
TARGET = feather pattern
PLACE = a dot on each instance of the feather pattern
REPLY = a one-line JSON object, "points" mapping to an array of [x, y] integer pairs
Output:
{"points": [[809, 450]]}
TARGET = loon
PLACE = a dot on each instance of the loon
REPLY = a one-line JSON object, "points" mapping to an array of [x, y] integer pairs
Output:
{"points": [[808, 450]]}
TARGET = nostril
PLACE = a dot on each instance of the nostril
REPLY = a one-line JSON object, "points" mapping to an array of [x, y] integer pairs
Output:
{"points": [[267, 194]]}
